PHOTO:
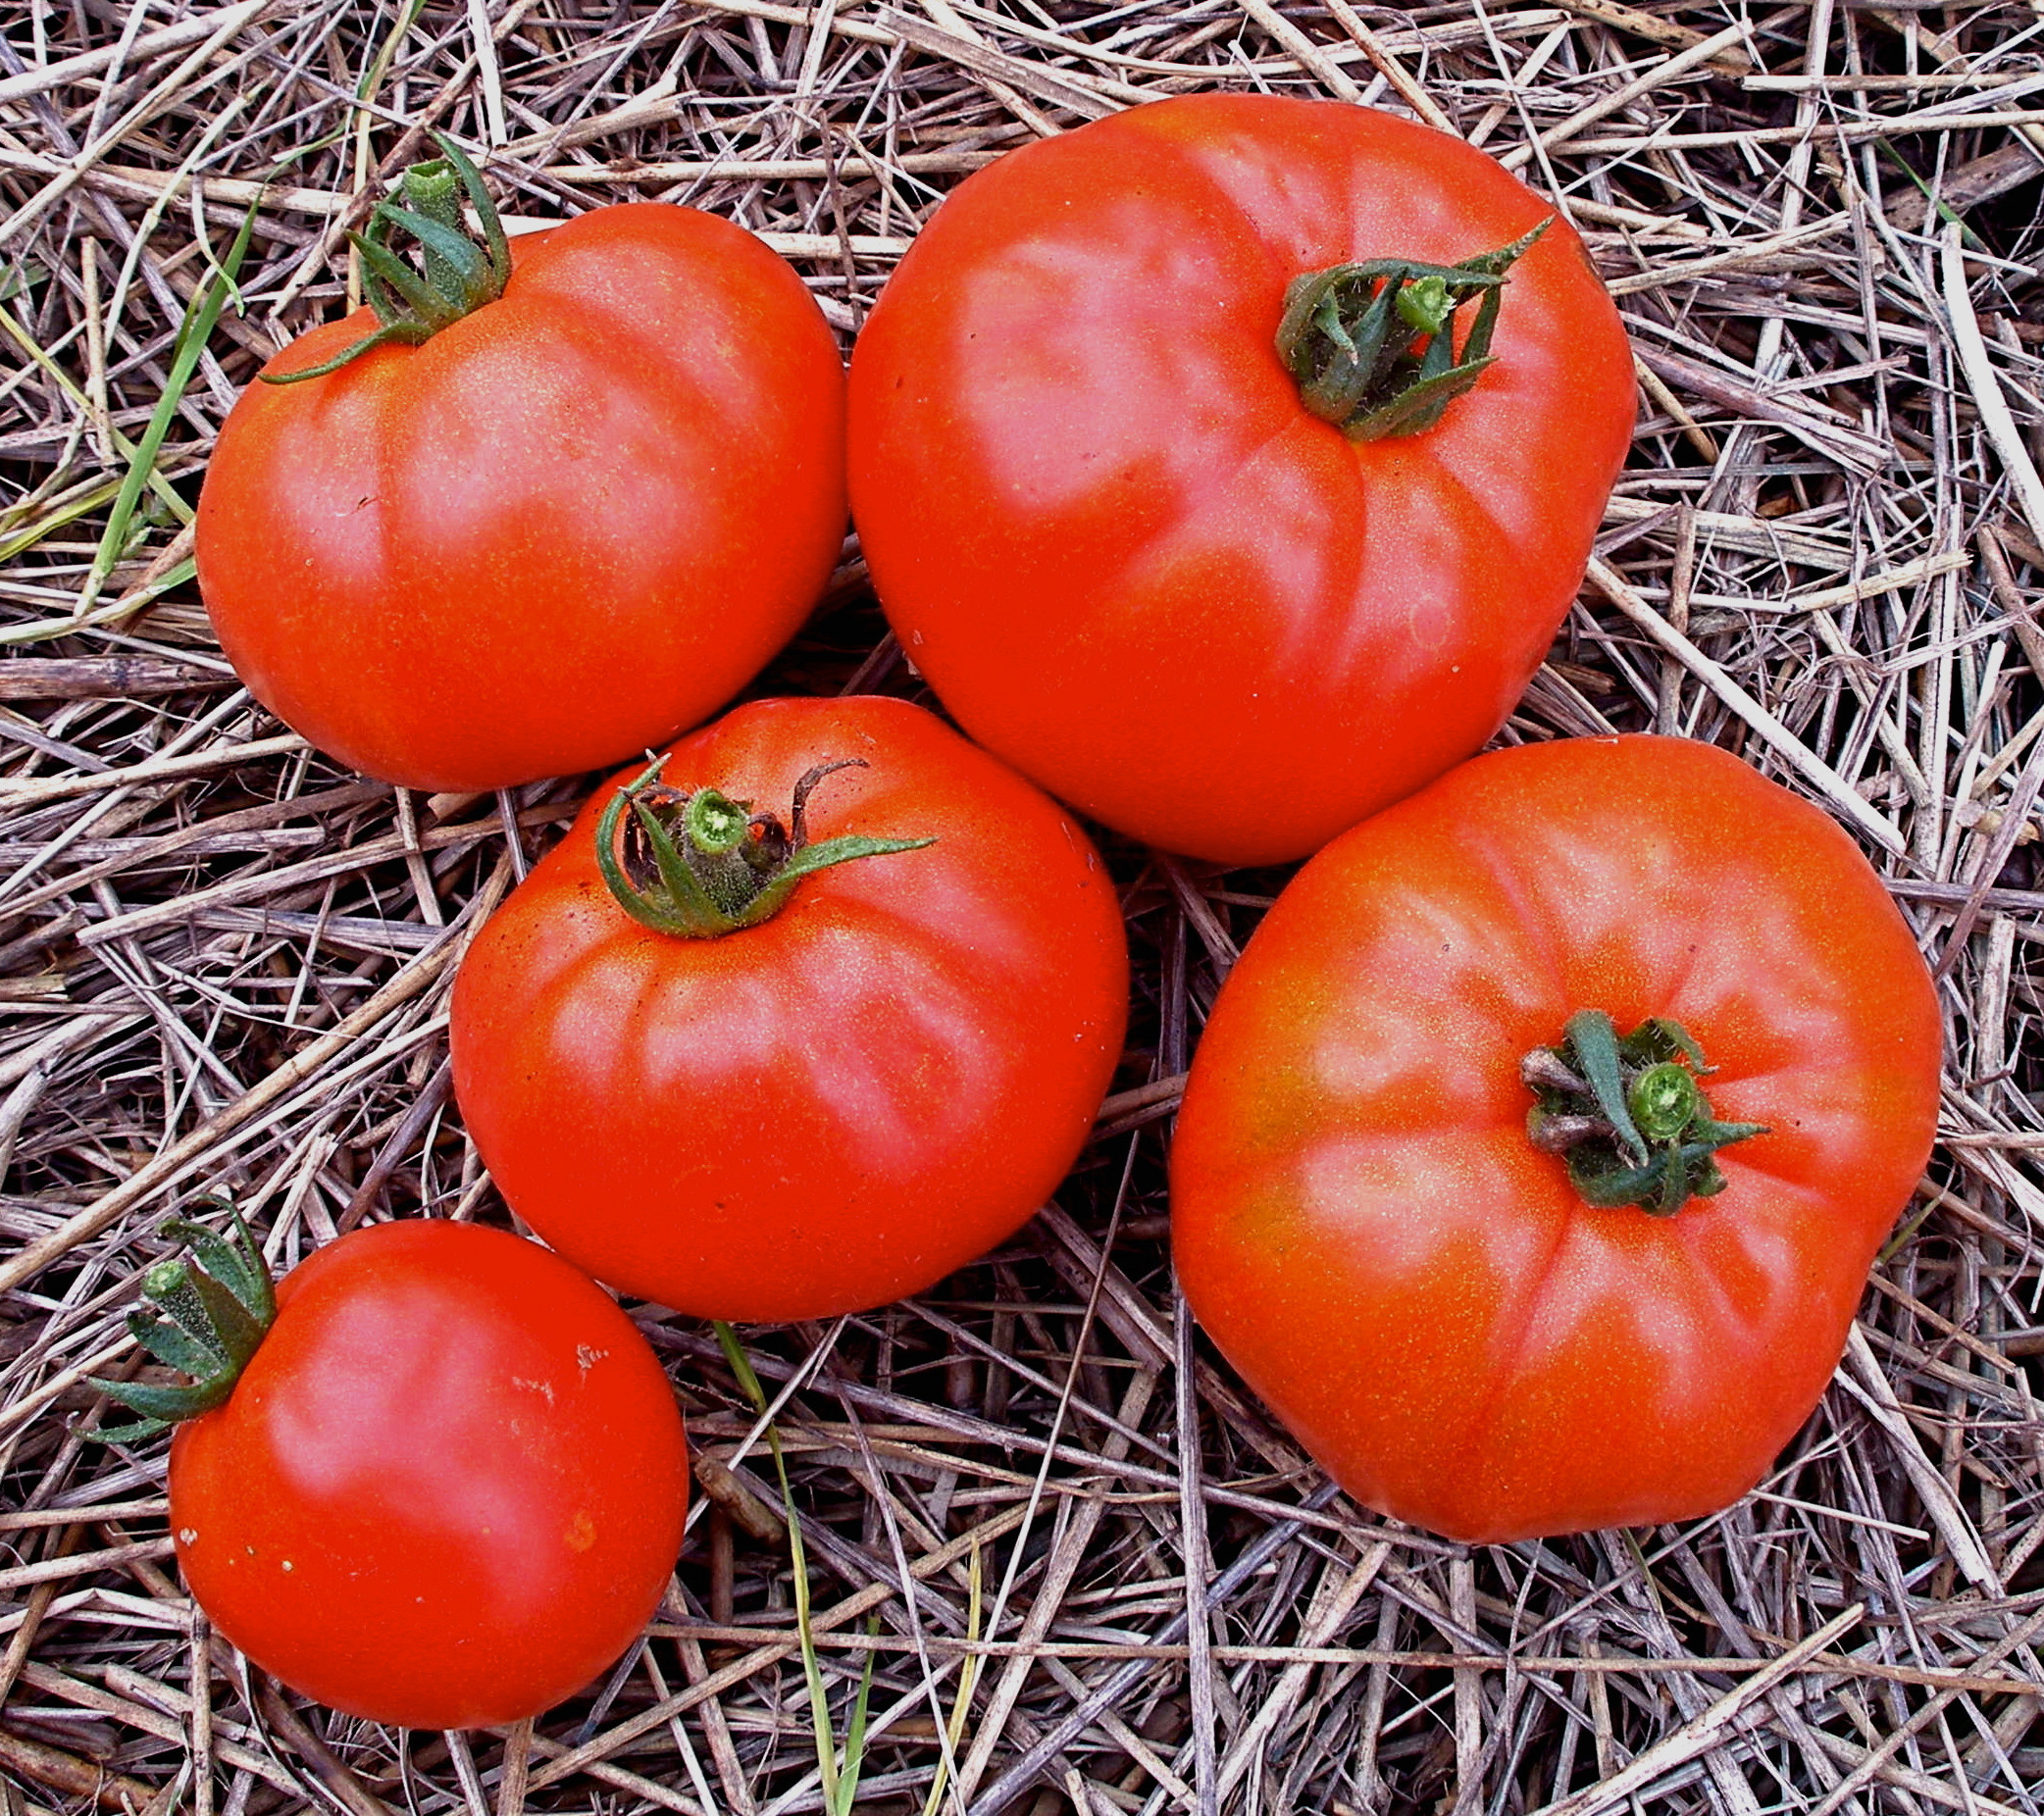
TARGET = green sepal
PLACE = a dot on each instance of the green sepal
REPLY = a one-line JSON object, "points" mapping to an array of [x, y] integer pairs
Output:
{"points": [[683, 888], [1336, 391], [236, 1264], [134, 1432], [1348, 336], [1667, 1182], [1710, 1181], [396, 292], [391, 285], [460, 267], [1609, 1187], [235, 1330], [206, 1320], [813, 858], [1585, 1093], [391, 334], [459, 277], [1496, 263], [1591, 1039], [1421, 407], [1659, 1040], [681, 906], [1711, 1136], [170, 1343], [165, 1405], [730, 868], [494, 241]]}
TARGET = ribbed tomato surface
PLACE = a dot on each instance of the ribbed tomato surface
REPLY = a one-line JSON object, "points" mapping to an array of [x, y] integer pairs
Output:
{"points": [[840, 1106], [447, 1490], [1125, 554], [1365, 1228], [564, 528]]}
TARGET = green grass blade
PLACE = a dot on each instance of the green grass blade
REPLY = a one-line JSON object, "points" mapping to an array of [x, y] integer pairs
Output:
{"points": [[68, 387], [748, 1381], [855, 1732], [200, 319], [968, 1678], [45, 628], [812, 1671]]}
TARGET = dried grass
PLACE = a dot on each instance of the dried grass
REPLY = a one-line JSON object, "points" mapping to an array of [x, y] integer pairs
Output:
{"points": [[226, 963]]}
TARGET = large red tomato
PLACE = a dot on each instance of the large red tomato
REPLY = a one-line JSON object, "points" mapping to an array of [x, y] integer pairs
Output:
{"points": [[567, 525], [1371, 1208], [448, 1490], [1108, 529], [837, 1092]]}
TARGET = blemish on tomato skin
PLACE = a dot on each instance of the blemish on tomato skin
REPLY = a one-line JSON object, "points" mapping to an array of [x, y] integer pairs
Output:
{"points": [[582, 1531]]}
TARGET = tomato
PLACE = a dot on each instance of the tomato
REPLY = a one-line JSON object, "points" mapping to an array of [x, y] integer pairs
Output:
{"points": [[565, 527], [448, 1490], [1475, 1335], [1130, 559], [835, 1106]]}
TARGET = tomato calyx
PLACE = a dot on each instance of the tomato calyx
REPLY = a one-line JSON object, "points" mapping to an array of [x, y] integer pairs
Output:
{"points": [[205, 1321], [459, 276], [699, 864], [1371, 345], [1629, 1114]]}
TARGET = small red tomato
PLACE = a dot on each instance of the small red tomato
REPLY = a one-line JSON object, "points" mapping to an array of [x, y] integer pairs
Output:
{"points": [[447, 1489], [1535, 1151], [572, 522], [879, 1047], [1191, 492]]}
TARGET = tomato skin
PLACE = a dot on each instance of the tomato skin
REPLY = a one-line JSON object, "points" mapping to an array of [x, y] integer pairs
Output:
{"points": [[838, 1106], [1364, 1230], [555, 534], [448, 1488], [1124, 554]]}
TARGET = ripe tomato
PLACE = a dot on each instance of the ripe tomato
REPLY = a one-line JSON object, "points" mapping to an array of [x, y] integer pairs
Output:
{"points": [[556, 532], [1128, 556], [446, 1491], [833, 1107], [1361, 1217]]}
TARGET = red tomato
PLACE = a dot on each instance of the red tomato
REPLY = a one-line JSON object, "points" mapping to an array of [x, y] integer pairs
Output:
{"points": [[448, 1490], [1365, 1227], [1132, 562], [835, 1107], [558, 531]]}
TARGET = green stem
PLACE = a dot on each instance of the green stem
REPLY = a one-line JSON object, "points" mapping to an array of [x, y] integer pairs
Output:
{"points": [[1629, 1114], [205, 1321], [433, 192], [709, 865], [459, 275], [1371, 346]]}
